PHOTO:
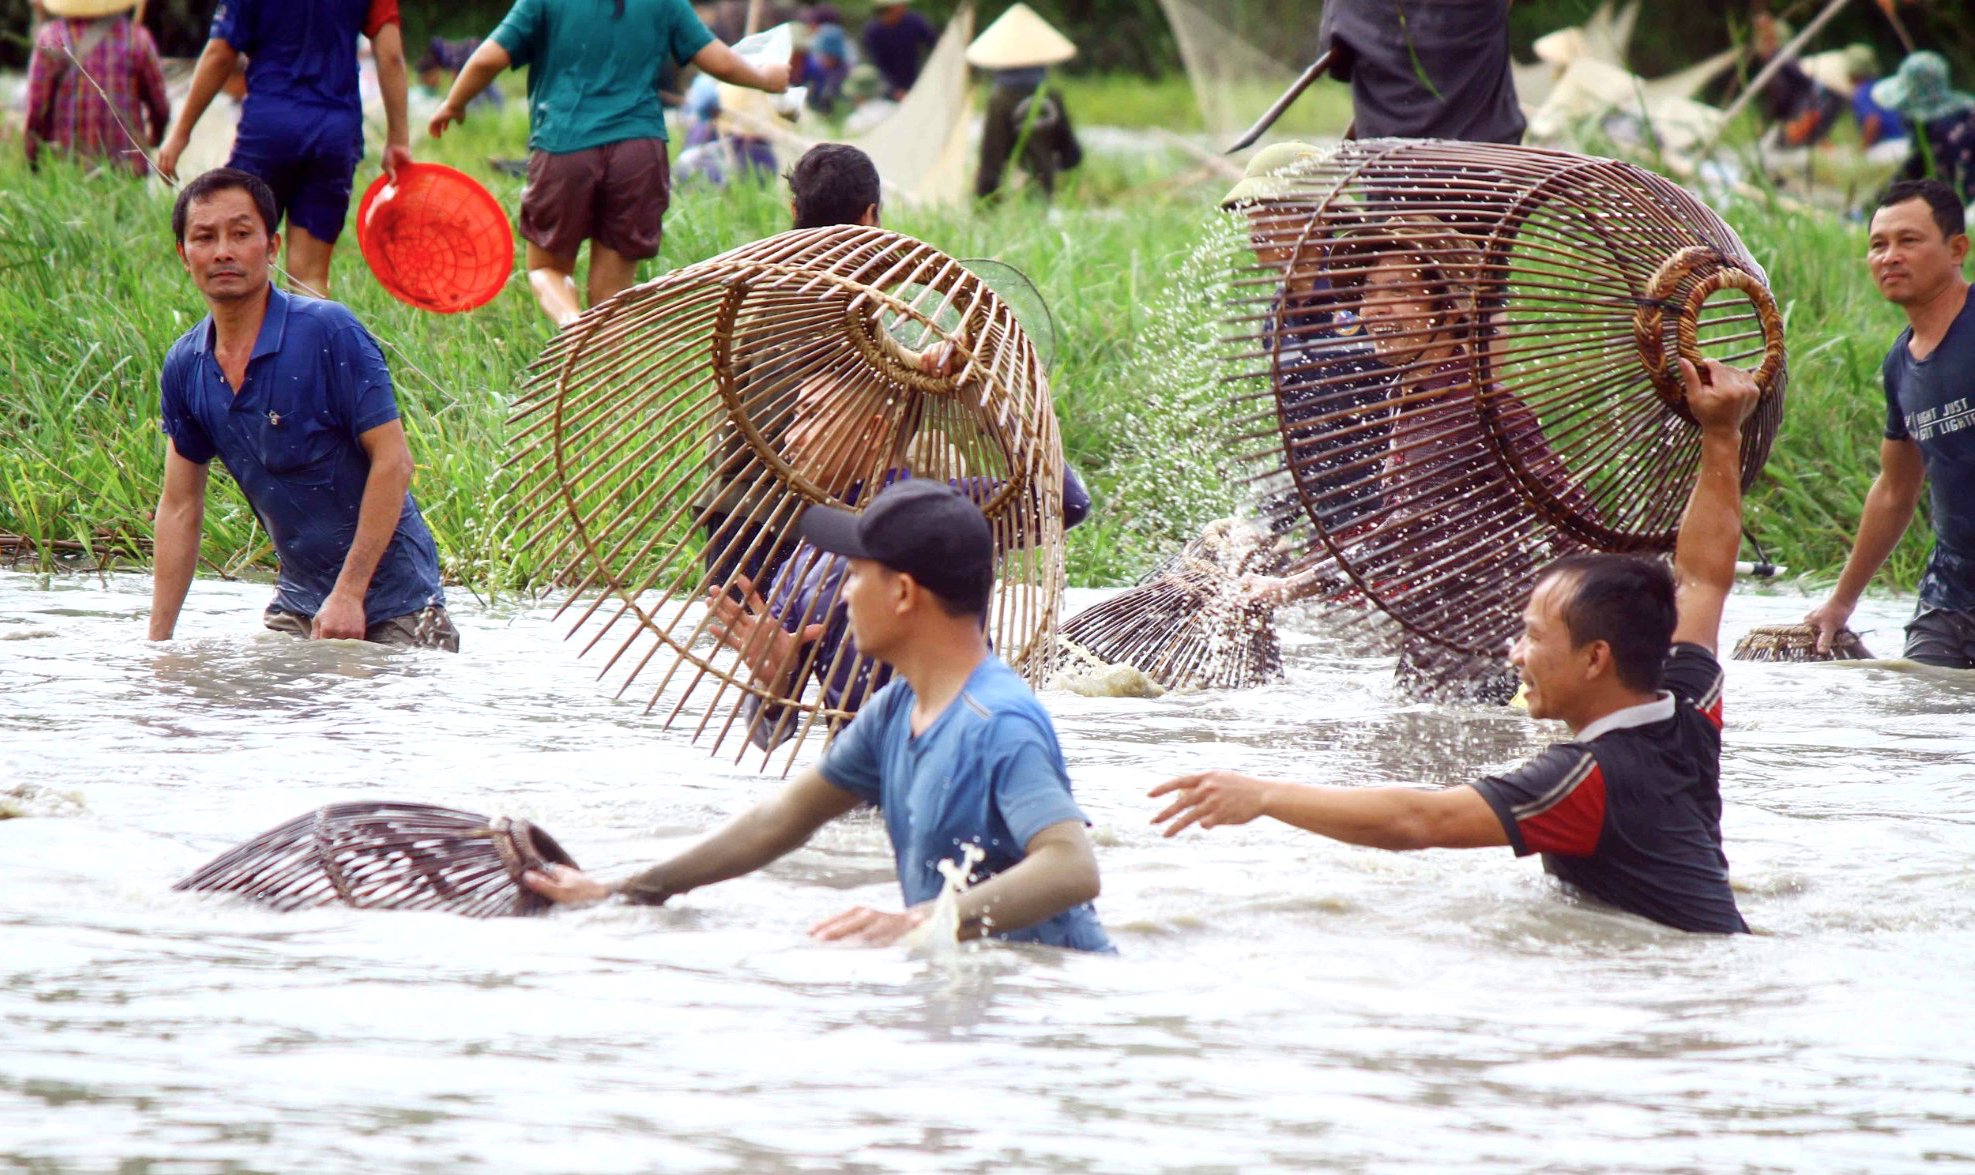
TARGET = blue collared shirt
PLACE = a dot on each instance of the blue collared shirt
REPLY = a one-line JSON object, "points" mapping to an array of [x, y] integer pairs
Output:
{"points": [[986, 772], [315, 382]]}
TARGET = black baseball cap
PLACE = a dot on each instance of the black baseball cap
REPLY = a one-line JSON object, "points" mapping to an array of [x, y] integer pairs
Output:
{"points": [[925, 529]]}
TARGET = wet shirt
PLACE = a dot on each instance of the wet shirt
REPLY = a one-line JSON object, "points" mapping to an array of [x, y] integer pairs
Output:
{"points": [[315, 382], [1461, 46], [808, 589], [986, 772], [593, 75], [1931, 402], [302, 95], [1630, 810]]}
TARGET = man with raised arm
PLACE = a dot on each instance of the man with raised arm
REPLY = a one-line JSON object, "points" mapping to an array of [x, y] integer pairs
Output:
{"points": [[956, 752], [1628, 810], [1919, 240], [293, 395]]}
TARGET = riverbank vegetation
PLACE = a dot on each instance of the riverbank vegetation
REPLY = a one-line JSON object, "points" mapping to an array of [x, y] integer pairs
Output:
{"points": [[1126, 260]]}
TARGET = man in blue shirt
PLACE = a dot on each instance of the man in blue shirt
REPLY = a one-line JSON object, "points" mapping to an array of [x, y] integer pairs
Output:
{"points": [[301, 130], [897, 40], [956, 752], [293, 395], [1918, 243]]}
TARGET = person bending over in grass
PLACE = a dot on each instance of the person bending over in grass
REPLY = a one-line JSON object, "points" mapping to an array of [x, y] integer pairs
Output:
{"points": [[293, 395], [954, 752], [1622, 652]]}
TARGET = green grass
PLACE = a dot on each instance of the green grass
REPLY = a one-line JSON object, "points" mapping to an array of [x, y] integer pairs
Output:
{"points": [[92, 296]]}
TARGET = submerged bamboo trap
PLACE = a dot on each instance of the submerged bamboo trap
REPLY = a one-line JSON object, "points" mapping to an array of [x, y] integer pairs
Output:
{"points": [[671, 437], [388, 856], [1189, 623], [1461, 362], [1797, 643]]}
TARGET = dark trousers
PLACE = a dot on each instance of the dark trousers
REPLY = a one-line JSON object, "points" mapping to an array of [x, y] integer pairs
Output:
{"points": [[1052, 146]]}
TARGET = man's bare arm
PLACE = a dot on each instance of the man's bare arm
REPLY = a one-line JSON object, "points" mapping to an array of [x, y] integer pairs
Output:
{"points": [[1889, 507], [720, 60], [479, 72], [1058, 871], [175, 539], [216, 64], [765, 832], [342, 614], [1721, 398], [388, 48], [1380, 817]]}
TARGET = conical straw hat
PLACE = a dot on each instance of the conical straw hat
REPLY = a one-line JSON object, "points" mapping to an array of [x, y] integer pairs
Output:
{"points": [[1019, 39], [86, 9]]}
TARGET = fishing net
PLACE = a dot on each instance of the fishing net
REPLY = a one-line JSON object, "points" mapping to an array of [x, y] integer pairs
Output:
{"points": [[1797, 642], [1460, 361], [388, 856], [671, 437], [1188, 624], [435, 238], [1240, 55]]}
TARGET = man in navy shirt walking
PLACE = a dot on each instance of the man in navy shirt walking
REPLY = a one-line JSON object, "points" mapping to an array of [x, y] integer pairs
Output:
{"points": [[293, 395], [1628, 810], [301, 130], [956, 753], [1919, 240]]}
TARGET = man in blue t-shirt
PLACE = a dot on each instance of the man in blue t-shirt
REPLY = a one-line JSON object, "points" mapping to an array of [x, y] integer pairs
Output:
{"points": [[1628, 811], [896, 41], [956, 753], [301, 129], [1918, 243], [293, 395]]}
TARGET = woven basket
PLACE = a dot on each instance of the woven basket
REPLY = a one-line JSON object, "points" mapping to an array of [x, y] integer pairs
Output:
{"points": [[1463, 358], [1797, 642], [672, 436], [387, 856], [1188, 624]]}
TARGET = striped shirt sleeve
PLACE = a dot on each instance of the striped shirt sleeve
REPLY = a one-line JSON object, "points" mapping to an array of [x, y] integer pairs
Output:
{"points": [[1554, 803]]}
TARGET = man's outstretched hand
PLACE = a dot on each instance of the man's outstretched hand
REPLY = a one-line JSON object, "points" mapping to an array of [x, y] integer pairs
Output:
{"points": [[747, 626], [560, 883], [1720, 397]]}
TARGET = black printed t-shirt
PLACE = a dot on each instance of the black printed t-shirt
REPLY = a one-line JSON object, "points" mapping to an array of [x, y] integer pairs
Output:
{"points": [[1630, 810], [1931, 402]]}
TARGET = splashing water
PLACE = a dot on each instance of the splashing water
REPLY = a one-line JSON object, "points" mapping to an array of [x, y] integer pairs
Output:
{"points": [[939, 934]]}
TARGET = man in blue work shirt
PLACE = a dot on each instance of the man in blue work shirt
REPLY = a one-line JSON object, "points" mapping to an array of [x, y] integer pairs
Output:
{"points": [[956, 752], [301, 130], [293, 395]]}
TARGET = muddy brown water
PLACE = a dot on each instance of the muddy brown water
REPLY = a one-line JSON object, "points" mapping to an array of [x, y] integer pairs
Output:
{"points": [[1280, 1001]]}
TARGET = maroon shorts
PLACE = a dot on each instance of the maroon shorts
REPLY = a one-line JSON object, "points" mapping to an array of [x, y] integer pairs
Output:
{"points": [[615, 194]]}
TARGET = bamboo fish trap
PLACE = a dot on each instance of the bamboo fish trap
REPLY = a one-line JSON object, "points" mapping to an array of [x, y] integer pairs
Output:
{"points": [[1188, 623], [1462, 361], [671, 437], [388, 856], [1797, 643]]}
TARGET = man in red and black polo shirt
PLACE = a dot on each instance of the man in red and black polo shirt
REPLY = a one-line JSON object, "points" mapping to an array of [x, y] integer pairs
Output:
{"points": [[1622, 652]]}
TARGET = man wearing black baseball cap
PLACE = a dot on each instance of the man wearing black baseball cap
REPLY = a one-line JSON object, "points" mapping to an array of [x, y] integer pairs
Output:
{"points": [[956, 752]]}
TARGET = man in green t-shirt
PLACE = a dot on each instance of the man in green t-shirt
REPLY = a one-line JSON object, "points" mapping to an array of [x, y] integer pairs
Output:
{"points": [[597, 168]]}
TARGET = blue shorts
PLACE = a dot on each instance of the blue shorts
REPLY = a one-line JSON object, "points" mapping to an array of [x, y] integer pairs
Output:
{"points": [[312, 190]]}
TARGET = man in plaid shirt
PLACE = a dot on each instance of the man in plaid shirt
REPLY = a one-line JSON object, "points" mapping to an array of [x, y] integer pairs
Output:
{"points": [[94, 87]]}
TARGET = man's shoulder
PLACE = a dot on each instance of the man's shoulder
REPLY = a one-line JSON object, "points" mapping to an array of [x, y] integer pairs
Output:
{"points": [[1003, 706], [321, 314], [184, 347]]}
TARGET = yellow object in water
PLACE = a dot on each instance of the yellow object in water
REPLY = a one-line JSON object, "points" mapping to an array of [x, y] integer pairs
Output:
{"points": [[1521, 700]]}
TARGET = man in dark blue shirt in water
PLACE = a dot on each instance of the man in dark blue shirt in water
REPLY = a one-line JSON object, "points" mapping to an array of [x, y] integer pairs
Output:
{"points": [[1919, 240], [1628, 810]]}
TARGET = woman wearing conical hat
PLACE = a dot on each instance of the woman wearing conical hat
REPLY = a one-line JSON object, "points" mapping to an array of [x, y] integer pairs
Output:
{"points": [[94, 85], [1017, 51]]}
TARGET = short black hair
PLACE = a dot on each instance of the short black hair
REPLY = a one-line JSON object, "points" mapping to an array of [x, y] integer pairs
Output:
{"points": [[833, 183], [220, 179], [1941, 199], [1626, 602]]}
